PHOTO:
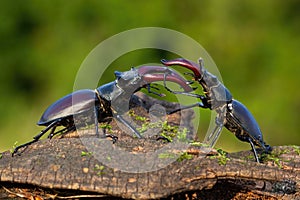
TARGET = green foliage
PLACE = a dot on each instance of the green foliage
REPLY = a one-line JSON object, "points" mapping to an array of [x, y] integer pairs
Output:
{"points": [[106, 126], [222, 157], [99, 169], [137, 117], [199, 144], [182, 135], [254, 43], [84, 153], [108, 158], [184, 156], [166, 130], [180, 156], [296, 149], [166, 155], [274, 157]]}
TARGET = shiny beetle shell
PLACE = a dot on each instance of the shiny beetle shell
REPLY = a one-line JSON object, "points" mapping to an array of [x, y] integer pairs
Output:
{"points": [[74, 103], [242, 117]]}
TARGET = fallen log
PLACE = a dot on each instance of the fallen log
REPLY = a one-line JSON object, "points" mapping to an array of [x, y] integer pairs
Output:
{"points": [[84, 166]]}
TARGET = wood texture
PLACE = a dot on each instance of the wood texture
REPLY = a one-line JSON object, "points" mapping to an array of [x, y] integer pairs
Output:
{"points": [[58, 168]]}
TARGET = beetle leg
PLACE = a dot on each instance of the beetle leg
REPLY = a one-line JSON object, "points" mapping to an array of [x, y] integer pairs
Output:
{"points": [[185, 93], [199, 104], [152, 92], [254, 150], [154, 86], [268, 148], [125, 122], [113, 137], [202, 104], [63, 131], [69, 126], [163, 138], [23, 145], [52, 132], [37, 137], [52, 125], [105, 135], [96, 121], [212, 138]]}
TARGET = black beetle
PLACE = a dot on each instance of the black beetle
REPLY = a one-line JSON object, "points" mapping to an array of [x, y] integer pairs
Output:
{"points": [[106, 101], [230, 113]]}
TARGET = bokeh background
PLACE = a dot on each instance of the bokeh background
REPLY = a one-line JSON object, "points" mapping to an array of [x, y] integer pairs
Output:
{"points": [[255, 44]]}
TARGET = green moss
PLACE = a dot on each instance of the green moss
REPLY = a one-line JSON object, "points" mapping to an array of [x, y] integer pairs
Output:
{"points": [[99, 169], [296, 149], [274, 157], [168, 128], [222, 157], [84, 153], [250, 157], [284, 151], [199, 144], [182, 135], [168, 131], [167, 155], [184, 156], [148, 125], [180, 156], [137, 117], [106, 126], [169, 137], [1, 155]]}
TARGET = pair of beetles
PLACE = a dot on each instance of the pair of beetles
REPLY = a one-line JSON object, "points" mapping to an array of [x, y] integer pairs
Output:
{"points": [[103, 103]]}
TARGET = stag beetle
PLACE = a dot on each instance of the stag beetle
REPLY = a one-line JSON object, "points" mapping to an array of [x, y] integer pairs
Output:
{"points": [[107, 101], [230, 113]]}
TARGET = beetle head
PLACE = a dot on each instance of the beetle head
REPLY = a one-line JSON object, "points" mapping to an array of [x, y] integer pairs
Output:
{"points": [[118, 74], [128, 80]]}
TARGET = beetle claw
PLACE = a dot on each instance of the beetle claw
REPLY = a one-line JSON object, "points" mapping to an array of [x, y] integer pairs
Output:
{"points": [[113, 137], [154, 86], [268, 148], [160, 137]]}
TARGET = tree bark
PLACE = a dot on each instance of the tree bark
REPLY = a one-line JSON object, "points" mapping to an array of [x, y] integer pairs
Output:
{"points": [[86, 166]]}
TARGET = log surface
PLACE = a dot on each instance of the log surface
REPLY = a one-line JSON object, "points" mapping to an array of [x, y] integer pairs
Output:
{"points": [[58, 168]]}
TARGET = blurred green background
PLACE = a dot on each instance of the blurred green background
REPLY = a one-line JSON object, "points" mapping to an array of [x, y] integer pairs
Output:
{"points": [[255, 44]]}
